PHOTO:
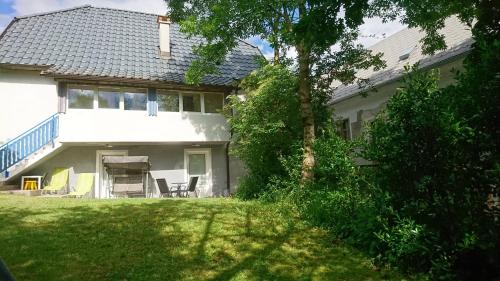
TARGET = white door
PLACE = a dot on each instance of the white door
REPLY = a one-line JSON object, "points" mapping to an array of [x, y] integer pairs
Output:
{"points": [[198, 163], [102, 181]]}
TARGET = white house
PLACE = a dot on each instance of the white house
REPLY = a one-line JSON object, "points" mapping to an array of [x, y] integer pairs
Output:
{"points": [[86, 82], [355, 105]]}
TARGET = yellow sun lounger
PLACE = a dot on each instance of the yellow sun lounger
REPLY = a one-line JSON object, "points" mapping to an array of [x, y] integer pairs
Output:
{"points": [[58, 181], [84, 185]]}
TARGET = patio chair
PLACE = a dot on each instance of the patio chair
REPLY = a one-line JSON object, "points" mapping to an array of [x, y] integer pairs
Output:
{"points": [[58, 181], [164, 189], [191, 187], [83, 186]]}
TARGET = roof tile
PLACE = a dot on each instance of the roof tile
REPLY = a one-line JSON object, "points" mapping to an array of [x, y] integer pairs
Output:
{"points": [[99, 42]]}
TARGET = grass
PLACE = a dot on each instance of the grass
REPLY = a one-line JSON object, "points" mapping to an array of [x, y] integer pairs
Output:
{"points": [[138, 239]]}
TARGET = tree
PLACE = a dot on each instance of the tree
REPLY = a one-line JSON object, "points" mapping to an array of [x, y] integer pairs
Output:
{"points": [[311, 27], [486, 13]]}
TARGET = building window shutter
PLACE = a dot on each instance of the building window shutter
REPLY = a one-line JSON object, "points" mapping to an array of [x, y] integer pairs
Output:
{"points": [[152, 104], [62, 93]]}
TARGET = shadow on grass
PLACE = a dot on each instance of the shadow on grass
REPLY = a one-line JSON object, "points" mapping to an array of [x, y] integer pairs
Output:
{"points": [[64, 239]]}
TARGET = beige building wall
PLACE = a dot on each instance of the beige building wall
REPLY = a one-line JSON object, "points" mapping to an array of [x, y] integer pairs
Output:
{"points": [[26, 99], [361, 109]]}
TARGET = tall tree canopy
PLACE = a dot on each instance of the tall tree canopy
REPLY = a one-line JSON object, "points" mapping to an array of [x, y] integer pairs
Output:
{"points": [[311, 27]]}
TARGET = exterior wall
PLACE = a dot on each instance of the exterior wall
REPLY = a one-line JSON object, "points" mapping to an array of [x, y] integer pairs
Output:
{"points": [[359, 109], [167, 161], [113, 125], [26, 98], [236, 173]]}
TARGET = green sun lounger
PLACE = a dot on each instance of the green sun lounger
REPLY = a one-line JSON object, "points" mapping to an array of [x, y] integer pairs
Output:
{"points": [[84, 185], [58, 181]]}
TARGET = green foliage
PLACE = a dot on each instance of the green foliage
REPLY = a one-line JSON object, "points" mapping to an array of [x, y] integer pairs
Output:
{"points": [[265, 125], [436, 152], [315, 25], [406, 244]]}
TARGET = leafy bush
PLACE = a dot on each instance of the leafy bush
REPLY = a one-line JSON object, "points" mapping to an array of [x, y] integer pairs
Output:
{"points": [[267, 126], [436, 164], [264, 129]]}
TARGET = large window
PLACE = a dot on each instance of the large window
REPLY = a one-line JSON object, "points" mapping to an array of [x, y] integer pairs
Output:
{"points": [[191, 102], [135, 99], [213, 103], [81, 97], [109, 98], [167, 101]]}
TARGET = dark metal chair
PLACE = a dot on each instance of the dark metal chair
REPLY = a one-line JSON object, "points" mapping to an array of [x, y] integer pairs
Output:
{"points": [[164, 189], [191, 187]]}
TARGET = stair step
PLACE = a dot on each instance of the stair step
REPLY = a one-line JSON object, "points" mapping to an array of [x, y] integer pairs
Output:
{"points": [[9, 187], [22, 192]]}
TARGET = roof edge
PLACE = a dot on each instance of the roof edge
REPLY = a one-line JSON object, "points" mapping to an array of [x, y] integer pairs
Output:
{"points": [[463, 49], [7, 27], [81, 7], [253, 46]]}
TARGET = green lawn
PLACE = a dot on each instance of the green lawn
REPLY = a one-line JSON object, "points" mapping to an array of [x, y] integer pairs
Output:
{"points": [[138, 239]]}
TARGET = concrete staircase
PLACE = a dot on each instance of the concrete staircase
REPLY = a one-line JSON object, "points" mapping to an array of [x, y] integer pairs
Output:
{"points": [[27, 163], [29, 148]]}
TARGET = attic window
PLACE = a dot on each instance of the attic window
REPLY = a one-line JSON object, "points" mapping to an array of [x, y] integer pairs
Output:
{"points": [[406, 53]]}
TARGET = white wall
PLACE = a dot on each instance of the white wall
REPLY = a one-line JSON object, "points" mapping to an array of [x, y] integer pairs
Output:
{"points": [[375, 101], [115, 125], [26, 99]]}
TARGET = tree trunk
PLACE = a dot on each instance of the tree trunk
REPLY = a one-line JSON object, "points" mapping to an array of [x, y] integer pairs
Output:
{"points": [[304, 58], [276, 41]]}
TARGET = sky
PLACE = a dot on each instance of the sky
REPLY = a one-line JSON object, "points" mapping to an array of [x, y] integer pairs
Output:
{"points": [[371, 32]]}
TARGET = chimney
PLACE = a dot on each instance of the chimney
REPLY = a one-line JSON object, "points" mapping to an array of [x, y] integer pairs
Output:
{"points": [[164, 29]]}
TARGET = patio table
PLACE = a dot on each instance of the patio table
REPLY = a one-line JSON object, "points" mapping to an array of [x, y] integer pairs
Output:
{"points": [[179, 186]]}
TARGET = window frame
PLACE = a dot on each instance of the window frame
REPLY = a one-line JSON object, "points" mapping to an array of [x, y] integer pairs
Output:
{"points": [[121, 104], [130, 89], [81, 87], [168, 92], [344, 128], [124, 90], [222, 106]]}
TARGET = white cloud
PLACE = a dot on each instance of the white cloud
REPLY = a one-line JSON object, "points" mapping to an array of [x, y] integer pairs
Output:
{"points": [[4, 21], [26, 7], [374, 30]]}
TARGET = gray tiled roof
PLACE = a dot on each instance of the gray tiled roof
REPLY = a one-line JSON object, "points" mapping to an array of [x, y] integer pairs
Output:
{"points": [[108, 43], [457, 38]]}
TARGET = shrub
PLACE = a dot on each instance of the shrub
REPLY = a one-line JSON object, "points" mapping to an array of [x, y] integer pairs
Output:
{"points": [[436, 165]]}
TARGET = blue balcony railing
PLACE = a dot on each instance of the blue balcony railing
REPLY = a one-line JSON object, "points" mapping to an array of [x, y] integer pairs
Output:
{"points": [[29, 142]]}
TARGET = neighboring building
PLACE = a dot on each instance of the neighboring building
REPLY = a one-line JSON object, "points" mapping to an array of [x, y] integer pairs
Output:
{"points": [[354, 106], [111, 82]]}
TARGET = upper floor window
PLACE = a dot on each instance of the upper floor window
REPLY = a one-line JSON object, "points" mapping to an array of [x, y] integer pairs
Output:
{"points": [[343, 129], [135, 99], [81, 97], [109, 98], [191, 102], [167, 101], [213, 103]]}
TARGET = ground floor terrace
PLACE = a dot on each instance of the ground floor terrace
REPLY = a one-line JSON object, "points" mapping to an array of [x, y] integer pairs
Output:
{"points": [[218, 172]]}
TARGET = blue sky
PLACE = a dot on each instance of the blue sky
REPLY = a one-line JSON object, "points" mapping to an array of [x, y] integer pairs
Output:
{"points": [[372, 31]]}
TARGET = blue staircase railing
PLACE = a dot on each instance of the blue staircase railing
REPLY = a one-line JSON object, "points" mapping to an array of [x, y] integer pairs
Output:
{"points": [[28, 142]]}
